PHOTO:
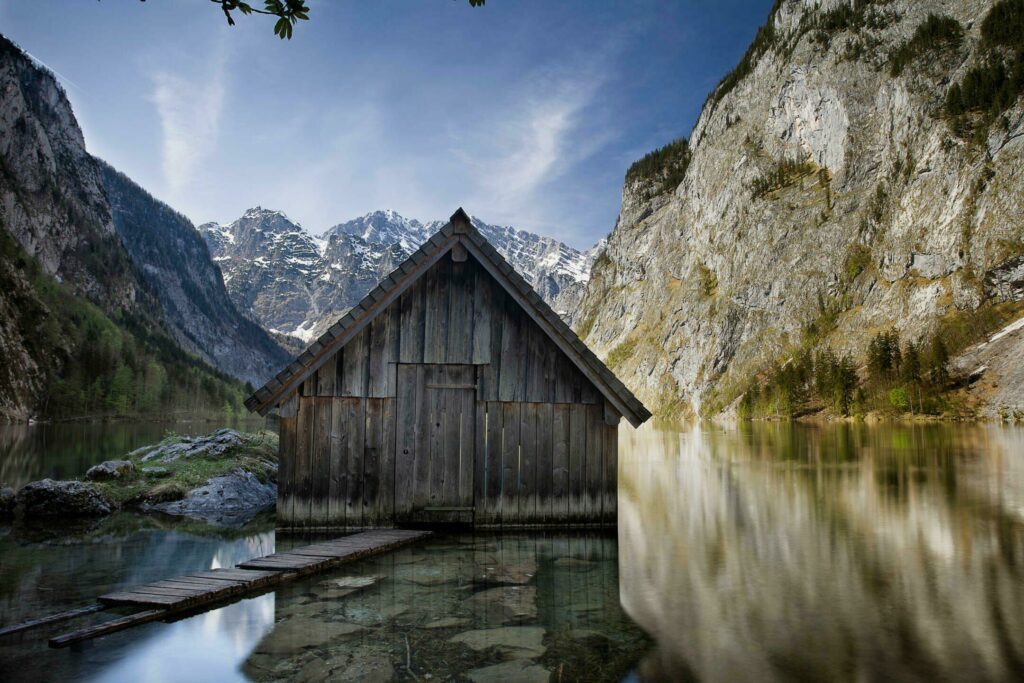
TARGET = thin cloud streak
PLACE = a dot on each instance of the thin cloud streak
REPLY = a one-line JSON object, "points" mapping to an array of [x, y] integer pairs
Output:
{"points": [[190, 116]]}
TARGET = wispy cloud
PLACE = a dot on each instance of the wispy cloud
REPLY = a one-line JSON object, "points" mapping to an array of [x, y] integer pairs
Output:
{"points": [[548, 127], [190, 112]]}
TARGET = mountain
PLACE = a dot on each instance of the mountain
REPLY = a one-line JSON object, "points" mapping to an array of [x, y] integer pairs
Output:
{"points": [[95, 302], [860, 170], [297, 284], [175, 262]]}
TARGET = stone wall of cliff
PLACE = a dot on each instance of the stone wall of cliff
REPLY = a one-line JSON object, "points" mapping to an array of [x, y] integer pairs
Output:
{"points": [[825, 190]]}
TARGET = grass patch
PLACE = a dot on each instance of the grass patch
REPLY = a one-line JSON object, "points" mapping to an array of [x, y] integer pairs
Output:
{"points": [[256, 454]]}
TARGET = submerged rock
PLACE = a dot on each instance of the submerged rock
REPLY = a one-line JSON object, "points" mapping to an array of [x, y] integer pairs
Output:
{"points": [[516, 574], [49, 498], [447, 622], [7, 500], [513, 642], [518, 670], [504, 605], [111, 469], [295, 635], [229, 500]]}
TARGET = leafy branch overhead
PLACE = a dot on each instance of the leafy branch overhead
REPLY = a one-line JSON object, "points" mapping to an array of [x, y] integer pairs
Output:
{"points": [[288, 12]]}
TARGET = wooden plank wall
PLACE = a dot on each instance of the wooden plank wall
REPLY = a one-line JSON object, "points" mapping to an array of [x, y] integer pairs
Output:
{"points": [[544, 464], [544, 453], [457, 314]]}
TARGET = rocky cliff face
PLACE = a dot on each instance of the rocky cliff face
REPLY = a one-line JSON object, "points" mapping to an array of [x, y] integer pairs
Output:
{"points": [[297, 284], [98, 278], [826, 190], [174, 261]]}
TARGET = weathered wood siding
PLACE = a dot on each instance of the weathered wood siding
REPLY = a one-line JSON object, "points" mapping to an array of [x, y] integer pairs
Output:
{"points": [[451, 405]]}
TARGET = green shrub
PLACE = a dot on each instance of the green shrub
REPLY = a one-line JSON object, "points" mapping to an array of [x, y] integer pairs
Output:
{"points": [[786, 172], [934, 34], [666, 166], [899, 400]]}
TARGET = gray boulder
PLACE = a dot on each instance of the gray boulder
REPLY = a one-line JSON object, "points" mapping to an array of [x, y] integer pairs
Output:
{"points": [[7, 499], [111, 469], [210, 446], [49, 498], [229, 500]]}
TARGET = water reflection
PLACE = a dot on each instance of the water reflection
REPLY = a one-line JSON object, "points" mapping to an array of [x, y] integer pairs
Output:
{"points": [[842, 552], [64, 450]]}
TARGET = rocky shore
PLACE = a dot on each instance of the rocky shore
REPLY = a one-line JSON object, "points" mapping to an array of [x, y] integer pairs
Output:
{"points": [[225, 478]]}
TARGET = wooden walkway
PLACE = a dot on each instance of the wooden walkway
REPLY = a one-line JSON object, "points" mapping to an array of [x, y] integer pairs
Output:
{"points": [[201, 590]]}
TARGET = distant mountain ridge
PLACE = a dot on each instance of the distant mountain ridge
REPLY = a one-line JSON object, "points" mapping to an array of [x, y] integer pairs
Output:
{"points": [[296, 284]]}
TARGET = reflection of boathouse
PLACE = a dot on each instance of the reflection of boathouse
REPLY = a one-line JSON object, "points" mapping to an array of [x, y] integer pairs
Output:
{"points": [[451, 393]]}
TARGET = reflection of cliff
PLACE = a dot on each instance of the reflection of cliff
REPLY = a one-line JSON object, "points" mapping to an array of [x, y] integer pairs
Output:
{"points": [[839, 552]]}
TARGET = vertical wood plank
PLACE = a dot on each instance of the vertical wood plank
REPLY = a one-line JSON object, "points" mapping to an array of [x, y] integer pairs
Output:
{"points": [[480, 470], [560, 463], [372, 448], [338, 487], [595, 462], [452, 449], [412, 324], [326, 377], [482, 306], [610, 505], [303, 454], [460, 314], [285, 470], [320, 467], [495, 471], [528, 464], [467, 450], [577, 461], [354, 427], [379, 355], [386, 474], [435, 408], [544, 458], [407, 438], [356, 421], [436, 305], [508, 508], [512, 354], [356, 365]]}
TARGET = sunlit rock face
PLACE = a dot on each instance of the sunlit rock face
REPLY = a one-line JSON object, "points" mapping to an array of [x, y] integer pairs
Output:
{"points": [[845, 552], [296, 284], [706, 284]]}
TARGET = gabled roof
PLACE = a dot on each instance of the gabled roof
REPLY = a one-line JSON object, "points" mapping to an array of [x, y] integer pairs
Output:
{"points": [[459, 230]]}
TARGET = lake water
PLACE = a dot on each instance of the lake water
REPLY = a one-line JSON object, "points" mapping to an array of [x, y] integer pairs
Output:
{"points": [[770, 552]]}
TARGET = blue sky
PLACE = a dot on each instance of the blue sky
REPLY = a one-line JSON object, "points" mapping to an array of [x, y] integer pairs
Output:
{"points": [[525, 112]]}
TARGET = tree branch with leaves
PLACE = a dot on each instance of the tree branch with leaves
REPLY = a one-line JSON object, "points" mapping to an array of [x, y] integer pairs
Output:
{"points": [[288, 12]]}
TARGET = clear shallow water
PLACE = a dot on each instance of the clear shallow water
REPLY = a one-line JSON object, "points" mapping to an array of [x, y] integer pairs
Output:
{"points": [[773, 552]]}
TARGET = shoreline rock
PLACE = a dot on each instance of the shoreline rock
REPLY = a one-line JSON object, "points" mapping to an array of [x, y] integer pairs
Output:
{"points": [[225, 478], [50, 498]]}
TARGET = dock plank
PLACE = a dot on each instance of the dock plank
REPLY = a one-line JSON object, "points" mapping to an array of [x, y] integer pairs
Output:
{"points": [[200, 590]]}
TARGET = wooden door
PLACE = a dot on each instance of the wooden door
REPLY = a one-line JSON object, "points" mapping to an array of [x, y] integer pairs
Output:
{"points": [[435, 443]]}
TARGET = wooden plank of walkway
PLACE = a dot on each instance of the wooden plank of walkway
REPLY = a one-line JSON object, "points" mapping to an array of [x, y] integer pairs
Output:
{"points": [[194, 592]]}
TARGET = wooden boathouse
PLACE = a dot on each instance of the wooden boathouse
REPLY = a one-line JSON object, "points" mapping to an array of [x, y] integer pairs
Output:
{"points": [[450, 393]]}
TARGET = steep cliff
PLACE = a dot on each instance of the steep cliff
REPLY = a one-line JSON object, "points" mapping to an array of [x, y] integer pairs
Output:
{"points": [[831, 188], [104, 309], [174, 260]]}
